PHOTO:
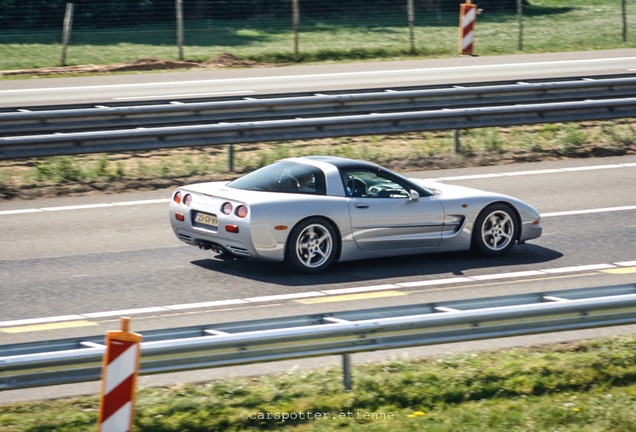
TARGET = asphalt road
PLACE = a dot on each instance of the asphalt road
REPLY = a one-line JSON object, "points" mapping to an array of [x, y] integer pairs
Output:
{"points": [[94, 255], [248, 82]]}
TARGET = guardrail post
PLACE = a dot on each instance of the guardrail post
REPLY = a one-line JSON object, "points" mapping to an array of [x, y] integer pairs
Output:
{"points": [[231, 158], [119, 377], [457, 140], [346, 371]]}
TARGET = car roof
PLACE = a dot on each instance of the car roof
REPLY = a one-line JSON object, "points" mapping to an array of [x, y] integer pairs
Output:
{"points": [[341, 162]]}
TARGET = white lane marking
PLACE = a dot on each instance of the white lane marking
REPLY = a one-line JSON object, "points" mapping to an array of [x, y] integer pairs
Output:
{"points": [[535, 172], [581, 268], [324, 293], [184, 95], [206, 304], [593, 167], [44, 320], [434, 282], [142, 202], [455, 178], [284, 297], [508, 275], [588, 211], [76, 207], [469, 177], [355, 290], [318, 76], [85, 206], [21, 211], [125, 312]]}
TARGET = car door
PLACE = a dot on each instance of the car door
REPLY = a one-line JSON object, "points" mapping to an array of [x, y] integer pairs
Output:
{"points": [[385, 216]]}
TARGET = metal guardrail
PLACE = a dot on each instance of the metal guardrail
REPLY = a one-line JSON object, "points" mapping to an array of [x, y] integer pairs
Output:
{"points": [[277, 119], [310, 128], [119, 103], [190, 348], [103, 117]]}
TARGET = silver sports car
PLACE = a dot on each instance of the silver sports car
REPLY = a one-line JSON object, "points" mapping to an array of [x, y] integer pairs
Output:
{"points": [[311, 211]]}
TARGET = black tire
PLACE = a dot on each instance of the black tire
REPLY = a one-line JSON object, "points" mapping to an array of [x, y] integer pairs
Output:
{"points": [[496, 230], [311, 246]]}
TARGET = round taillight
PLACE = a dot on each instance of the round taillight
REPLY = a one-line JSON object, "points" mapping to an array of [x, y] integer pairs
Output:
{"points": [[177, 197], [226, 208], [187, 199], [241, 211]]}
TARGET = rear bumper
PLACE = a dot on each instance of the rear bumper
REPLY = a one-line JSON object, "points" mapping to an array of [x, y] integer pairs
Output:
{"points": [[214, 241], [215, 245]]}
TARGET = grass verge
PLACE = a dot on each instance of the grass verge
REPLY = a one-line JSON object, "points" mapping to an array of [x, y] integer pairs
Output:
{"points": [[581, 386]]}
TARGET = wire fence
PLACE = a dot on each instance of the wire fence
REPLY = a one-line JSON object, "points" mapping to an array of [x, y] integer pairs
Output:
{"points": [[198, 29]]}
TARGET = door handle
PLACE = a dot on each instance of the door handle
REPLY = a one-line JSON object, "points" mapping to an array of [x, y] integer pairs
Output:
{"points": [[362, 206]]}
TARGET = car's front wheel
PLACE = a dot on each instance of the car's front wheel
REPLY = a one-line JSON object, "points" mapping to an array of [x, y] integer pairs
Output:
{"points": [[311, 246], [495, 231]]}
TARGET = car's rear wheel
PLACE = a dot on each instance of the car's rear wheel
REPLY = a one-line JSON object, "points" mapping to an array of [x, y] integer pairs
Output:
{"points": [[311, 246], [495, 231]]}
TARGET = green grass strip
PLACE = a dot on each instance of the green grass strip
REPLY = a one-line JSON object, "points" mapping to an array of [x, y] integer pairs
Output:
{"points": [[578, 386], [549, 26]]}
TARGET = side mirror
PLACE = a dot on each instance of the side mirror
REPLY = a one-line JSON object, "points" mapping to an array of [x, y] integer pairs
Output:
{"points": [[414, 196]]}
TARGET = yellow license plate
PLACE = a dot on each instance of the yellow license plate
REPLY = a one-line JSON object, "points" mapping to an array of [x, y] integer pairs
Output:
{"points": [[207, 219]]}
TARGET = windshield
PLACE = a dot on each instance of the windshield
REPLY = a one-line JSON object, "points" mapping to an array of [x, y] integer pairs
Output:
{"points": [[285, 177]]}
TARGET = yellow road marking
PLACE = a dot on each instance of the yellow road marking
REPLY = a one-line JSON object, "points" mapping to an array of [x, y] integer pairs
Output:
{"points": [[620, 270], [352, 297], [51, 326]]}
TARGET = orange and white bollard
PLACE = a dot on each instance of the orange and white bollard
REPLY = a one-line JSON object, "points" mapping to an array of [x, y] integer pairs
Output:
{"points": [[119, 379], [467, 18]]}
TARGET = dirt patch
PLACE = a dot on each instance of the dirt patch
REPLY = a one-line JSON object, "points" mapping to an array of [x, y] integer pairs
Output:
{"points": [[228, 60], [224, 60]]}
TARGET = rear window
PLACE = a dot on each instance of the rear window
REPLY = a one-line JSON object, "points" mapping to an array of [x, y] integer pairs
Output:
{"points": [[284, 177]]}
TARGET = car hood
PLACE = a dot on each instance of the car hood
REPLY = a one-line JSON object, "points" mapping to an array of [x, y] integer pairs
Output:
{"points": [[453, 191]]}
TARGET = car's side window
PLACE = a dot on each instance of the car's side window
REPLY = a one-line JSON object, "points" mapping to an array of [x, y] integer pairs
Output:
{"points": [[372, 184], [305, 180]]}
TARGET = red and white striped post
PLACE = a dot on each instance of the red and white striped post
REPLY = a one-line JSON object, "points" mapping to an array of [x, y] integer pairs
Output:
{"points": [[119, 378], [467, 18]]}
